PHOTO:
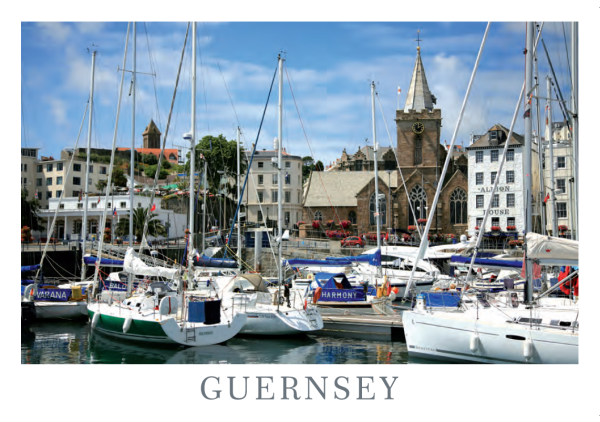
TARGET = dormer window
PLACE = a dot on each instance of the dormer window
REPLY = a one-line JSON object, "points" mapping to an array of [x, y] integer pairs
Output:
{"points": [[493, 135]]}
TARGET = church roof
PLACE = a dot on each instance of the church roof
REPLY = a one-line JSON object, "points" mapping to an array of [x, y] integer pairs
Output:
{"points": [[151, 128], [419, 96], [339, 188]]}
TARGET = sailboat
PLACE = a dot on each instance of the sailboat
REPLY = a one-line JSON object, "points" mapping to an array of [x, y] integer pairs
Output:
{"points": [[155, 312], [510, 326]]}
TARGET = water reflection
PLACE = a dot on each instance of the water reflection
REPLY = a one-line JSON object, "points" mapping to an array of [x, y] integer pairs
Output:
{"points": [[72, 342]]}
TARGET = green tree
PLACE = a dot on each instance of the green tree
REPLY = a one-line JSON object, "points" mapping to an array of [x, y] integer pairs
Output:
{"points": [[155, 227], [222, 156], [150, 159], [319, 166], [29, 213], [118, 177], [150, 171]]}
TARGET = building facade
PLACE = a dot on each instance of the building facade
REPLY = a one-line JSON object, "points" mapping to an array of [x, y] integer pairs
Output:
{"points": [[261, 193]]}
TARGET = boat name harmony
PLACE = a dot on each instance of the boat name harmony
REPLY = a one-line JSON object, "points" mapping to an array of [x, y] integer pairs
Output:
{"points": [[366, 387]]}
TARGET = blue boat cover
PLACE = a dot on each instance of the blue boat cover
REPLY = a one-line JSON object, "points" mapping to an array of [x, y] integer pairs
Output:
{"points": [[91, 260], [373, 259], [205, 261], [30, 268], [441, 299], [339, 290], [487, 262]]}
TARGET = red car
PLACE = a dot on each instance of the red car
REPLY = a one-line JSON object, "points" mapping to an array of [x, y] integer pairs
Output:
{"points": [[353, 242]]}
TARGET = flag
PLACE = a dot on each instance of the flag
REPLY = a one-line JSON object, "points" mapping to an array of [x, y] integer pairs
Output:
{"points": [[153, 207], [546, 198], [98, 198], [201, 157], [527, 113], [530, 96], [398, 90], [80, 195], [115, 212]]}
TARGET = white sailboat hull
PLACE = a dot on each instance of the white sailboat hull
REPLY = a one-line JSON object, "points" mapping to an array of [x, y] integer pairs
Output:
{"points": [[60, 310], [489, 338], [284, 322]]}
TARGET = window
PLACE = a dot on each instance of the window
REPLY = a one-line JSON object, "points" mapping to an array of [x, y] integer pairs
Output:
{"points": [[479, 156], [288, 179], [261, 164], [496, 200], [479, 222], [59, 166], [80, 206], [493, 176], [382, 209], [58, 194], [496, 221], [123, 204], [274, 196], [62, 206], [510, 176], [75, 194], [510, 221], [479, 201], [48, 181], [39, 168], [261, 179], [561, 162], [91, 168], [458, 207], [77, 227], [288, 197], [510, 155], [319, 216], [76, 167], [274, 179], [494, 155], [561, 210], [89, 181], [418, 200], [418, 150], [561, 186], [299, 180], [260, 197], [352, 217], [38, 182], [77, 181], [288, 164], [103, 168], [24, 180], [299, 199], [259, 215], [24, 167], [479, 178], [59, 180], [510, 200], [94, 205], [287, 217], [358, 165], [493, 135], [48, 194], [49, 167]]}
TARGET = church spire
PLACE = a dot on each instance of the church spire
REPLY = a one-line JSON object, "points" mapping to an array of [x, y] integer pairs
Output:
{"points": [[419, 96]]}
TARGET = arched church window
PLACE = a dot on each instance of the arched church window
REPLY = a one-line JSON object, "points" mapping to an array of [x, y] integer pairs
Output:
{"points": [[458, 207], [319, 216], [352, 217], [382, 209], [418, 200]]}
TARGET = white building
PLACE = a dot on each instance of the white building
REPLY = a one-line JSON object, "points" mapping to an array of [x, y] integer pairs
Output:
{"points": [[508, 204], [70, 215], [562, 165], [260, 196]]}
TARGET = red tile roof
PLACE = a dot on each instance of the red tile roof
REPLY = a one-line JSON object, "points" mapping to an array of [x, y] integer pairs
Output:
{"points": [[156, 152]]}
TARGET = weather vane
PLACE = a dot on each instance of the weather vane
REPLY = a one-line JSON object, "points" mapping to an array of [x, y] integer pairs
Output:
{"points": [[418, 39]]}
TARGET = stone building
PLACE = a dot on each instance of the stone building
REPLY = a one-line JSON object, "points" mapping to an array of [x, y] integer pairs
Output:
{"points": [[364, 160]]}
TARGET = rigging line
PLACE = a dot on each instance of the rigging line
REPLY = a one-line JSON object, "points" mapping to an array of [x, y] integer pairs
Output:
{"points": [[568, 60], [152, 60], [311, 151], [398, 163], [253, 152], [229, 95], [204, 74], [162, 151]]}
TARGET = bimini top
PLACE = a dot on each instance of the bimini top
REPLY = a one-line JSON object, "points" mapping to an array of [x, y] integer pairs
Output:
{"points": [[256, 280], [333, 281], [552, 250]]}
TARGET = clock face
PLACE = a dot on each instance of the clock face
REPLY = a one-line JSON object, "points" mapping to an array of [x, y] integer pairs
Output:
{"points": [[418, 127]]}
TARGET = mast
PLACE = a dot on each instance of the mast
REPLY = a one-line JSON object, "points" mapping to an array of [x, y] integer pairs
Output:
{"points": [[87, 171], [375, 148], [239, 228], [527, 179], [540, 147], [192, 155], [131, 159], [205, 196], [551, 149], [279, 179], [575, 107]]}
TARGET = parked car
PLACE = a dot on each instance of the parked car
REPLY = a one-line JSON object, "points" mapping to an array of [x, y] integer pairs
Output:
{"points": [[353, 242]]}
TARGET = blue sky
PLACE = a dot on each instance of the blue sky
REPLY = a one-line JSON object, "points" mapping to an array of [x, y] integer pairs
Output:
{"points": [[329, 64]]}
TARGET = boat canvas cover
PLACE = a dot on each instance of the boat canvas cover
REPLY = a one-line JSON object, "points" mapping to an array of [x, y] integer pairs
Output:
{"points": [[441, 299], [337, 288], [205, 261], [487, 262], [552, 250], [372, 259], [256, 280], [91, 260], [30, 268], [134, 265]]}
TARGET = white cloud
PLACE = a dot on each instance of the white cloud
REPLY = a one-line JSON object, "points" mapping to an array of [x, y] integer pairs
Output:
{"points": [[54, 31]]}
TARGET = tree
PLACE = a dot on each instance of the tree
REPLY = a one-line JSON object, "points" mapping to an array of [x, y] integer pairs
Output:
{"points": [[319, 166], [308, 164], [29, 213], [118, 177], [222, 156], [149, 159], [150, 171], [155, 227]]}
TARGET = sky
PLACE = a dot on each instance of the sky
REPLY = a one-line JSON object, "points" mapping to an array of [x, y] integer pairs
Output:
{"points": [[327, 73]]}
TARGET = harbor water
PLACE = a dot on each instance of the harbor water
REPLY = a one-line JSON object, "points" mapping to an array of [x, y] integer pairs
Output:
{"points": [[69, 342]]}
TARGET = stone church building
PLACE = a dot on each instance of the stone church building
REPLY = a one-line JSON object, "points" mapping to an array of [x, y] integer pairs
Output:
{"points": [[421, 159]]}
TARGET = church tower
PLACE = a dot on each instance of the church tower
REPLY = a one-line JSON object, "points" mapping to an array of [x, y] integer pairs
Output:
{"points": [[420, 154], [151, 136]]}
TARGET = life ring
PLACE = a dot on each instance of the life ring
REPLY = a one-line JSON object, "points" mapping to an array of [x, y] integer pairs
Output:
{"points": [[317, 295]]}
